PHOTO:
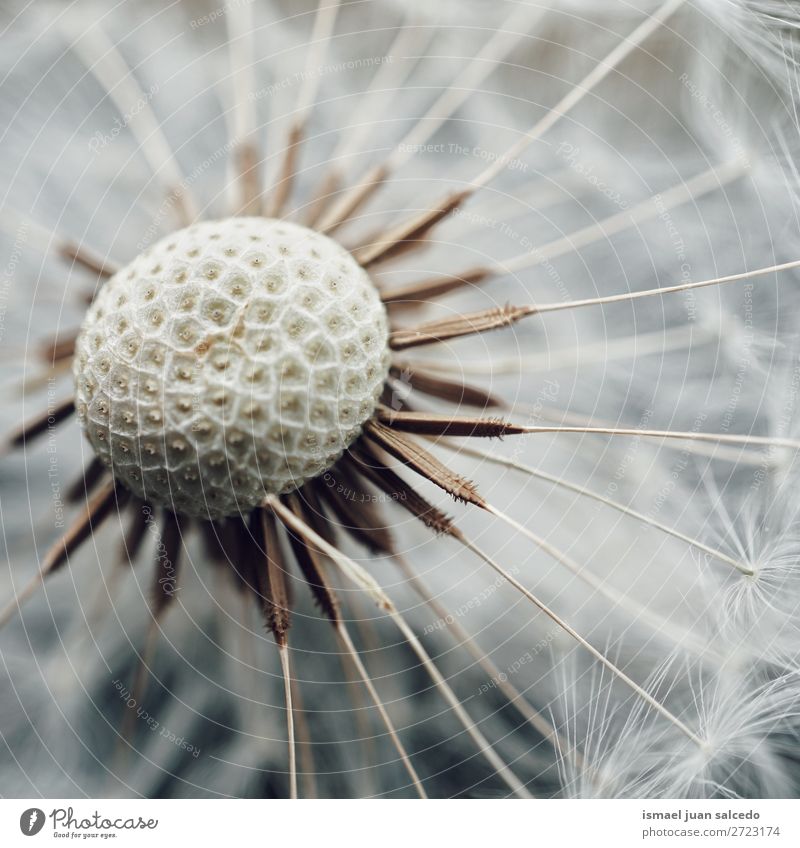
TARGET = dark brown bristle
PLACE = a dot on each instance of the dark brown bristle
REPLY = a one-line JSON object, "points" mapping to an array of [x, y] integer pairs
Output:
{"points": [[93, 515], [82, 256], [349, 502], [283, 184], [433, 287], [276, 599], [370, 466], [451, 391], [243, 544], [248, 168], [399, 250], [252, 568], [42, 422], [430, 424], [463, 325], [416, 457], [314, 210], [238, 549], [87, 482], [220, 539], [350, 202], [168, 561], [212, 543], [134, 535], [396, 240], [55, 350], [307, 560], [314, 514]]}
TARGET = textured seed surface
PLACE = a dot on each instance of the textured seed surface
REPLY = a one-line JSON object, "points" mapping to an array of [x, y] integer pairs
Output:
{"points": [[232, 359]]}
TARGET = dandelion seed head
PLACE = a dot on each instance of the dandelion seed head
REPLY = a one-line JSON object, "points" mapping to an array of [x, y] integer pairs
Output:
{"points": [[747, 723], [657, 153], [758, 611], [234, 359]]}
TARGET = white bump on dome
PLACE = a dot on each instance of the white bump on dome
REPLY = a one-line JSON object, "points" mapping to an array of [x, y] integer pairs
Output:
{"points": [[232, 359]]}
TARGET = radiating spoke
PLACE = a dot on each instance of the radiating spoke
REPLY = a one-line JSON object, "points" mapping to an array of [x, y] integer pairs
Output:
{"points": [[517, 700], [419, 227], [246, 156], [429, 424], [97, 509], [710, 180], [314, 572], [107, 65], [324, 23], [364, 581], [598, 655], [22, 229], [283, 651], [514, 464], [468, 80]]}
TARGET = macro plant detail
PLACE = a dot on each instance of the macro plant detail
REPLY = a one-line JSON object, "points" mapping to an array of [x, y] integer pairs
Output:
{"points": [[316, 403]]}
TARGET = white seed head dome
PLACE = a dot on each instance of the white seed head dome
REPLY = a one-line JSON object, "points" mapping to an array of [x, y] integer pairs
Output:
{"points": [[234, 358]]}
